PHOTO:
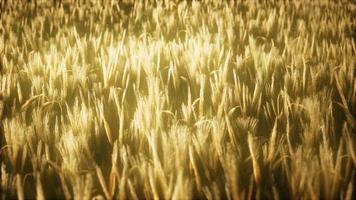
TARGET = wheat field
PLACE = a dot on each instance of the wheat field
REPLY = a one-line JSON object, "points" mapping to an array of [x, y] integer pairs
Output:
{"points": [[160, 99]]}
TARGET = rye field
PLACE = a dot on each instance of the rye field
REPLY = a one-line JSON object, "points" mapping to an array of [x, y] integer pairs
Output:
{"points": [[164, 99]]}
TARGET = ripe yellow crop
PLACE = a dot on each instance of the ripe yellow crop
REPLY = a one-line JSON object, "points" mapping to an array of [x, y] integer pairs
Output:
{"points": [[175, 99]]}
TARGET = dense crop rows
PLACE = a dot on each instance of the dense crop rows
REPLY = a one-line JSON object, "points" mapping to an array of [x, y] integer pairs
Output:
{"points": [[177, 99]]}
